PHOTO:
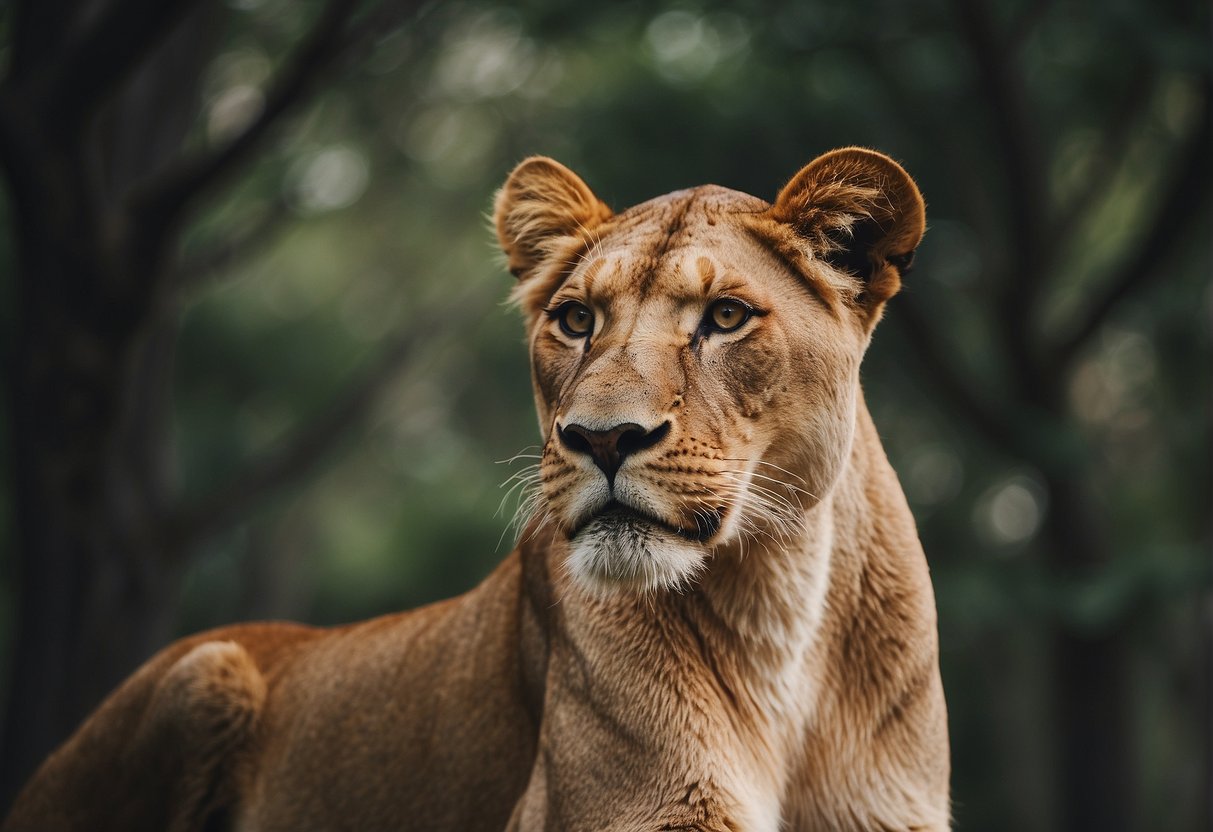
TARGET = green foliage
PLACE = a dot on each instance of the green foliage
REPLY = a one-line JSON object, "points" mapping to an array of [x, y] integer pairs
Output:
{"points": [[382, 185]]}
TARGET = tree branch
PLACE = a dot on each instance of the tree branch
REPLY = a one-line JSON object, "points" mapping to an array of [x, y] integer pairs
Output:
{"points": [[1123, 126], [89, 66], [1026, 23], [1024, 186], [1005, 96], [295, 456], [1189, 188], [192, 274], [991, 420], [18, 157], [39, 28], [162, 199]]}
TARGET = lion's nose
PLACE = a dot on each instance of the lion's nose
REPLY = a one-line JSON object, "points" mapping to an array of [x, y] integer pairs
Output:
{"points": [[609, 448]]}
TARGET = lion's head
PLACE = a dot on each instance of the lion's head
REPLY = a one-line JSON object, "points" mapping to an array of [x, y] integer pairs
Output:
{"points": [[695, 358]]}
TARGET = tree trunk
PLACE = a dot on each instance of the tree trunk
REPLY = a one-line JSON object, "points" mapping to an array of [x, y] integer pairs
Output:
{"points": [[97, 585], [90, 401], [1091, 675], [1094, 716]]}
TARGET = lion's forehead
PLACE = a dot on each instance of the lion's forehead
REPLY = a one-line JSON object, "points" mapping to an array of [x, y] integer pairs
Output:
{"points": [[631, 279], [674, 250], [704, 216]]}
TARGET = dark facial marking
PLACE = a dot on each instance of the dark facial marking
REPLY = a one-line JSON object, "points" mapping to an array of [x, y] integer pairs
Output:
{"points": [[672, 238]]}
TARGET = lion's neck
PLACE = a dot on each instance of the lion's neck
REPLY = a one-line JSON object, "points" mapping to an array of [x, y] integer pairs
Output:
{"points": [[780, 613], [751, 652], [771, 592], [769, 598]]}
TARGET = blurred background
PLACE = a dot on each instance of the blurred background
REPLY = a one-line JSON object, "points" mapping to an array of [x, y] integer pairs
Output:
{"points": [[258, 365]]}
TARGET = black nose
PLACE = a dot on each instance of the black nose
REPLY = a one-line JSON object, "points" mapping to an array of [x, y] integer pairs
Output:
{"points": [[609, 448]]}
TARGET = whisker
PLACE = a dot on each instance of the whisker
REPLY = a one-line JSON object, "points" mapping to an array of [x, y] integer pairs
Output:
{"points": [[524, 485], [763, 462], [763, 511], [524, 480], [783, 483], [754, 474], [525, 453], [772, 494]]}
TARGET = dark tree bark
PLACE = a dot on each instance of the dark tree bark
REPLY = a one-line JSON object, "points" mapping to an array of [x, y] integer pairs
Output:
{"points": [[94, 116], [1090, 668], [90, 389]]}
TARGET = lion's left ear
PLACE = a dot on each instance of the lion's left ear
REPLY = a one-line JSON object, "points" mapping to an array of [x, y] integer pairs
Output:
{"points": [[541, 203], [860, 212]]}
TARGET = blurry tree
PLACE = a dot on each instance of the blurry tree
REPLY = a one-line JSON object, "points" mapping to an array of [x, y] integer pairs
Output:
{"points": [[97, 111], [1041, 384], [1043, 224]]}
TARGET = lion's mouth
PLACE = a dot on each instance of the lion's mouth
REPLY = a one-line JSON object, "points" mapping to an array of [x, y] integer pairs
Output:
{"points": [[616, 513]]}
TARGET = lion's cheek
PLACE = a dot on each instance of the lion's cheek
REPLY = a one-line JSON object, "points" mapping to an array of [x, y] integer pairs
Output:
{"points": [[752, 373], [804, 392], [819, 433], [552, 366]]}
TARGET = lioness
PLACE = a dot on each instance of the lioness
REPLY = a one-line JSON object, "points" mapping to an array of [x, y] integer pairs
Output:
{"points": [[719, 617]]}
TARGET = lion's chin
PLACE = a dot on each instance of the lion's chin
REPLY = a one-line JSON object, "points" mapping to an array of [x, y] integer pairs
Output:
{"points": [[624, 553]]}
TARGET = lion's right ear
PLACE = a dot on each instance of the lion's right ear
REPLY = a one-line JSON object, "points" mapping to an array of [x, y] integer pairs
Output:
{"points": [[541, 204], [859, 211]]}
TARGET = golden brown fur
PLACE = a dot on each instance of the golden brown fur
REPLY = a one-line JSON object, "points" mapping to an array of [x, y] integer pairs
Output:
{"points": [[719, 617]]}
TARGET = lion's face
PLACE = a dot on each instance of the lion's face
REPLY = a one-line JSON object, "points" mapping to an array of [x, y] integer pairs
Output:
{"points": [[695, 358]]}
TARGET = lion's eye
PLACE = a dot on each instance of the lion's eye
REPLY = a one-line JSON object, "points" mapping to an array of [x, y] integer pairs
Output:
{"points": [[576, 320], [725, 315]]}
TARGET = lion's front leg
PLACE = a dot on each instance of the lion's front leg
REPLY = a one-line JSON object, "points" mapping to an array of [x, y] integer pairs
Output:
{"points": [[593, 773], [530, 813], [536, 811]]}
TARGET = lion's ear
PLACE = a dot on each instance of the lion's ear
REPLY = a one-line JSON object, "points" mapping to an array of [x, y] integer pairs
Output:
{"points": [[860, 212], [542, 203]]}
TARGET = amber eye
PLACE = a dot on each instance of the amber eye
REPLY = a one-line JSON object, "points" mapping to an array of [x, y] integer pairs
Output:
{"points": [[725, 315], [575, 320]]}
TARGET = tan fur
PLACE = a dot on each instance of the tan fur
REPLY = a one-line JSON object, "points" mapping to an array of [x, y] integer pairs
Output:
{"points": [[743, 640]]}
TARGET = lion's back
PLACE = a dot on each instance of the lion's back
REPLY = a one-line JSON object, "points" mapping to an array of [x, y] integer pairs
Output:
{"points": [[277, 725], [415, 720]]}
